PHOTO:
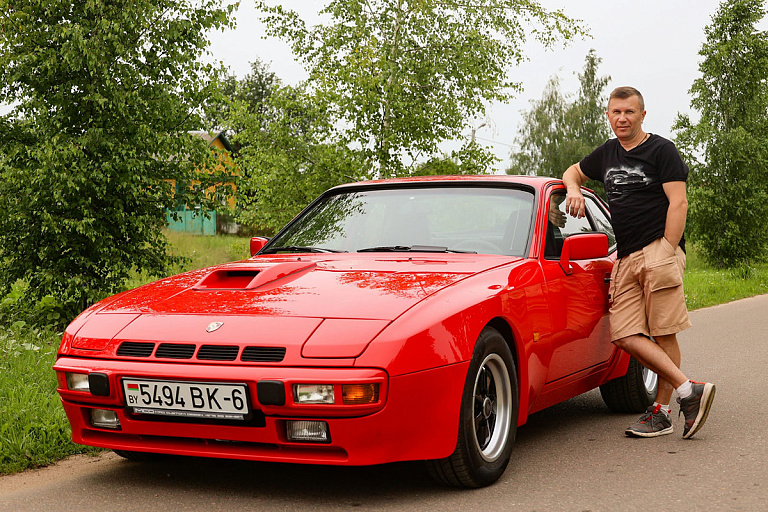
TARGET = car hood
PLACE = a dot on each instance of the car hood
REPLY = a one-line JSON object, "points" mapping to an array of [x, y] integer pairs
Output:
{"points": [[308, 306], [359, 288]]}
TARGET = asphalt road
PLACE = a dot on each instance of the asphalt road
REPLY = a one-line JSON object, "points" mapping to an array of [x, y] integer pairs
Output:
{"points": [[571, 457]]}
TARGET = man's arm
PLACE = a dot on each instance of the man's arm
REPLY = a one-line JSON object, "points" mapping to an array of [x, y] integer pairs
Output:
{"points": [[574, 200], [677, 211]]}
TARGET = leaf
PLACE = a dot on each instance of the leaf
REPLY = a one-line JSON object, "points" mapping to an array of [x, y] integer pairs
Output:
{"points": [[104, 95]]}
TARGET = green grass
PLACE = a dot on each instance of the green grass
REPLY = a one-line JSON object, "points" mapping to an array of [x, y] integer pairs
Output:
{"points": [[706, 286], [34, 430], [33, 427]]}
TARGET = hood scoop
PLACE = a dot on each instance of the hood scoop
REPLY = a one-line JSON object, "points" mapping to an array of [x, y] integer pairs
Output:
{"points": [[240, 278]]}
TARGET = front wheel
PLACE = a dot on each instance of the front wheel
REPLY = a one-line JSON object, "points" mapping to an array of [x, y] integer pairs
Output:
{"points": [[633, 392], [488, 417]]}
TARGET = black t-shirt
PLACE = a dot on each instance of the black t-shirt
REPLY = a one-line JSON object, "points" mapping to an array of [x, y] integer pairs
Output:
{"points": [[634, 185]]}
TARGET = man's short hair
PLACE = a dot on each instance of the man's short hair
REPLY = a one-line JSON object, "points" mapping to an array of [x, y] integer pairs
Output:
{"points": [[623, 93]]}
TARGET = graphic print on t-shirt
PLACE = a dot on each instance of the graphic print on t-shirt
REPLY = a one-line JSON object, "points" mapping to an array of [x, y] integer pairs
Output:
{"points": [[619, 180]]}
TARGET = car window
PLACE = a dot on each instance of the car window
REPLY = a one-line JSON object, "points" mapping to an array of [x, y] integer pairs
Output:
{"points": [[486, 220], [602, 221], [561, 225]]}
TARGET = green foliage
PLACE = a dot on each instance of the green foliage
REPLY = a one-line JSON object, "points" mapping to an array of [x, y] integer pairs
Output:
{"points": [[33, 426], [557, 132], [726, 147], [399, 78], [250, 93], [470, 159], [289, 155], [103, 94], [16, 306]]}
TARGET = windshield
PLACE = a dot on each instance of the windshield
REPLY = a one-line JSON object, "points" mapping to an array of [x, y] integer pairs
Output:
{"points": [[481, 220]]}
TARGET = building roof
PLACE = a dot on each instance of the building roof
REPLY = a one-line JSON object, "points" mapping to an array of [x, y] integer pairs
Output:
{"points": [[211, 138]]}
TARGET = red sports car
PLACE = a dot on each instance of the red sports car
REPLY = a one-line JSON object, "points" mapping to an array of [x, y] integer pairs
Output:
{"points": [[393, 320]]}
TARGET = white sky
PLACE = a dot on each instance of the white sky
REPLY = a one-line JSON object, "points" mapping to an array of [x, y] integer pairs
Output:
{"points": [[652, 45]]}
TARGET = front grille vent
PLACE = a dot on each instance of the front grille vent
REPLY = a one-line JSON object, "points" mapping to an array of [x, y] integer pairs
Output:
{"points": [[218, 352], [175, 351], [263, 354], [206, 353], [135, 349]]}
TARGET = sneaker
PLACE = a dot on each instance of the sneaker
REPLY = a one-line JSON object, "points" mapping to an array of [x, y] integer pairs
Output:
{"points": [[695, 408], [651, 424]]}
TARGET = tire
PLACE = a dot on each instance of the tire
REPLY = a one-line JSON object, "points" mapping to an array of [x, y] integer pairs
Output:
{"points": [[633, 392], [141, 456], [488, 417]]}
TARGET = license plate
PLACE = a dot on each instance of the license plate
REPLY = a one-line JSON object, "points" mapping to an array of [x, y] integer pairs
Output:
{"points": [[205, 400]]}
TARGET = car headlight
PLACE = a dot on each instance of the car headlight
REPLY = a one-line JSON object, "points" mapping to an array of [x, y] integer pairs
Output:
{"points": [[313, 394], [78, 382]]}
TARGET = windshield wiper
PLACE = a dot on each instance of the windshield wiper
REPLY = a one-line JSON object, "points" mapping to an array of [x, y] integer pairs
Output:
{"points": [[297, 248], [413, 248]]}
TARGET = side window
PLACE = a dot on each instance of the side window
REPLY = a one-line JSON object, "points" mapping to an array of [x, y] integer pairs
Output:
{"points": [[601, 219], [561, 225]]}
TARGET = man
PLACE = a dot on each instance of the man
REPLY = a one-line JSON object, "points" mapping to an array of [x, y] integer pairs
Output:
{"points": [[644, 179]]}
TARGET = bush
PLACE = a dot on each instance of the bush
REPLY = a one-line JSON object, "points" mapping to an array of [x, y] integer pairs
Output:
{"points": [[20, 306]]}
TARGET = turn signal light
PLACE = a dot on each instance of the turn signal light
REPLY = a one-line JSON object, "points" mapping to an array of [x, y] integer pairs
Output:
{"points": [[358, 394]]}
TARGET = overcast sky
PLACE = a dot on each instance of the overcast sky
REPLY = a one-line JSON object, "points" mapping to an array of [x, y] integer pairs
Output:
{"points": [[652, 45]]}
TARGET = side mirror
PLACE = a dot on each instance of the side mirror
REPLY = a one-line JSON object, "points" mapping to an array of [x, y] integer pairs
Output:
{"points": [[257, 244], [583, 246]]}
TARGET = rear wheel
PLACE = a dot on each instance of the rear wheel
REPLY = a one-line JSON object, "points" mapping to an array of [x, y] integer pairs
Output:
{"points": [[488, 420], [633, 392]]}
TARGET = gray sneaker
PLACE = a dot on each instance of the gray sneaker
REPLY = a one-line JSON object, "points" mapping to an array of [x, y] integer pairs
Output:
{"points": [[695, 408], [651, 424]]}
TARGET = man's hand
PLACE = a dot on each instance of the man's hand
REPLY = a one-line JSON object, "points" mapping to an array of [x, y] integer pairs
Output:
{"points": [[676, 212], [575, 204], [574, 200], [556, 217]]}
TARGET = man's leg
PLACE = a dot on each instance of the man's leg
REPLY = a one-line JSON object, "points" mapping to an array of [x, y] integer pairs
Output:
{"points": [[669, 344], [695, 404], [653, 357]]}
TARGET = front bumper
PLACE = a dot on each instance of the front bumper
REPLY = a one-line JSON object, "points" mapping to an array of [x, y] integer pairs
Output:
{"points": [[416, 416]]}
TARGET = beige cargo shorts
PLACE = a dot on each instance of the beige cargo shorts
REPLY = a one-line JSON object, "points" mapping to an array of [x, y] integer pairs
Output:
{"points": [[646, 293]]}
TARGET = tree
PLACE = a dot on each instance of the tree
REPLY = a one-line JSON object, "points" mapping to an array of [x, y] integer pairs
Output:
{"points": [[251, 91], [103, 94], [557, 132], [471, 159], [726, 147], [400, 77], [289, 155]]}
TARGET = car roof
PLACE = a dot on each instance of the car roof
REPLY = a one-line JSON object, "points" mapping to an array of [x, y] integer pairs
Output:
{"points": [[538, 182]]}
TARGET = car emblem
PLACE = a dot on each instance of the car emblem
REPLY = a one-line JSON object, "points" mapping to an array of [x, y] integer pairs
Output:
{"points": [[213, 326]]}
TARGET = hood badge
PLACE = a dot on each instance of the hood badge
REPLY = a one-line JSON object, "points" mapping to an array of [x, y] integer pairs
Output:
{"points": [[213, 326]]}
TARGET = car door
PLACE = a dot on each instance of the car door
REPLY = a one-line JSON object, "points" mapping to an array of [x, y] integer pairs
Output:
{"points": [[578, 301]]}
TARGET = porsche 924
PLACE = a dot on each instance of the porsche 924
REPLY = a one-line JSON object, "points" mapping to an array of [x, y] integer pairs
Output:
{"points": [[417, 319]]}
